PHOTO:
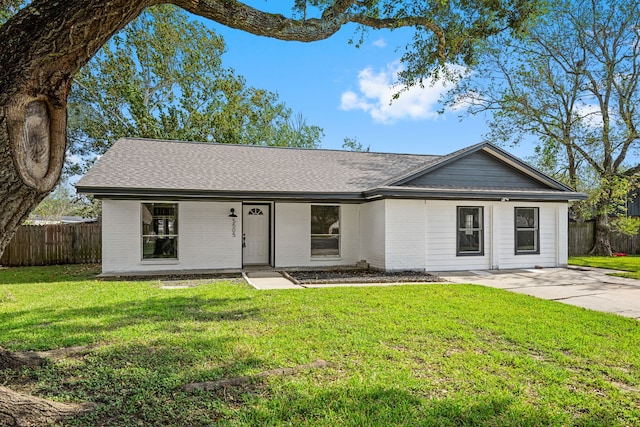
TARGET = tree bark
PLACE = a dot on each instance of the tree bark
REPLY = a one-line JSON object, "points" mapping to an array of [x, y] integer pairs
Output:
{"points": [[43, 46], [17, 409], [602, 241], [11, 360]]}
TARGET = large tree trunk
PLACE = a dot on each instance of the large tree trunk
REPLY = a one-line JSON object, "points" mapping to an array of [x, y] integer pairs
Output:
{"points": [[18, 409], [602, 241], [31, 158], [43, 46]]}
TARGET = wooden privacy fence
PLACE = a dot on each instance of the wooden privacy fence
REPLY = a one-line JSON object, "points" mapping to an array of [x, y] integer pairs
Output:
{"points": [[581, 238], [54, 244]]}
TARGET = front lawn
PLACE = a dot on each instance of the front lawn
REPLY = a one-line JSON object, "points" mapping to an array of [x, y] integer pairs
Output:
{"points": [[630, 264], [415, 355]]}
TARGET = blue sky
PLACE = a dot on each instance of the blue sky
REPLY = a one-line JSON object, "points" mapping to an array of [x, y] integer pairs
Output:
{"points": [[346, 90]]}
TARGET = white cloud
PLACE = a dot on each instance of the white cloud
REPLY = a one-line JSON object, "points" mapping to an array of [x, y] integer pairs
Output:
{"points": [[591, 115], [380, 43], [375, 95], [73, 159]]}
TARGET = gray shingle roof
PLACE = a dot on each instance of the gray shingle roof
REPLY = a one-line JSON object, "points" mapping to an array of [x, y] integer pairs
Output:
{"points": [[154, 168], [169, 165]]}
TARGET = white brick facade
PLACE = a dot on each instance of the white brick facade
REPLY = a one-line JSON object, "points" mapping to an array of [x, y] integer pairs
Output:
{"points": [[391, 234], [205, 238], [293, 236]]}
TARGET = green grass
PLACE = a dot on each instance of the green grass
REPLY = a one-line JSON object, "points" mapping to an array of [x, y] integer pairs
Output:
{"points": [[630, 264], [419, 355]]}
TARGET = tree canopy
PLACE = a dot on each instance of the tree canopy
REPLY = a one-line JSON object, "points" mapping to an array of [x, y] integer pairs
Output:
{"points": [[571, 83], [162, 77]]}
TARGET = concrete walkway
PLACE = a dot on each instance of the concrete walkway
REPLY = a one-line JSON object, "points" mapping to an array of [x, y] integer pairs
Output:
{"points": [[584, 287], [268, 279]]}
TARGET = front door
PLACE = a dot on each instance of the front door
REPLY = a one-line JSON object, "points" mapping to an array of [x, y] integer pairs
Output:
{"points": [[255, 237]]}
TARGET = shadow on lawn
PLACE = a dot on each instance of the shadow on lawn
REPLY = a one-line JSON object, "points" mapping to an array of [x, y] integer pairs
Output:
{"points": [[44, 329], [135, 384], [48, 274]]}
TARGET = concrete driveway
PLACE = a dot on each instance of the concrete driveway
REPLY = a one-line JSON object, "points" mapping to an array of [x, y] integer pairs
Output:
{"points": [[585, 287]]}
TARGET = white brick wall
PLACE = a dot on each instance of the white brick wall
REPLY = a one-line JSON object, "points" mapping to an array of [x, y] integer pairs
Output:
{"points": [[205, 238], [121, 238], [372, 233], [392, 234], [293, 236]]}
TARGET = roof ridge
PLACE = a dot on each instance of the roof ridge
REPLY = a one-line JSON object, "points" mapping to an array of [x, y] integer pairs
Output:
{"points": [[222, 144]]}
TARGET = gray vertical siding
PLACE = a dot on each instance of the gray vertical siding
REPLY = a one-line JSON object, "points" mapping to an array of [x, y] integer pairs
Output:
{"points": [[477, 170]]}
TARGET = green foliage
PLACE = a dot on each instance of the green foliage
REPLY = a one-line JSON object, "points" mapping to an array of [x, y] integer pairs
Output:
{"points": [[87, 207], [162, 77], [617, 190], [57, 204], [629, 226], [8, 8], [448, 355], [561, 85], [61, 203], [352, 144], [443, 32], [465, 25]]}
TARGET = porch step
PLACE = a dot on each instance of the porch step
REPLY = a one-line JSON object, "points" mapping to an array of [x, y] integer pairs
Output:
{"points": [[268, 279]]}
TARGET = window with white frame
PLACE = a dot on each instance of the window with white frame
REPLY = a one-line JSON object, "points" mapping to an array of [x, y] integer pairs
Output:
{"points": [[159, 230], [527, 229], [470, 238], [325, 230]]}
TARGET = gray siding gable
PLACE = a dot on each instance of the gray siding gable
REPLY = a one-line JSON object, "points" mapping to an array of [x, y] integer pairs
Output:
{"points": [[476, 170]]}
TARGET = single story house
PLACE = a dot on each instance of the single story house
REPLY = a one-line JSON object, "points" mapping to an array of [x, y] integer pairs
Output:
{"points": [[171, 206]]}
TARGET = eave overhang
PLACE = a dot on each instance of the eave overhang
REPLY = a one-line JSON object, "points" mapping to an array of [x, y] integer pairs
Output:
{"points": [[178, 194], [373, 194], [472, 194]]}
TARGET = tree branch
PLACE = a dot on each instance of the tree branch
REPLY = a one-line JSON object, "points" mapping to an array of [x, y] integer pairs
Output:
{"points": [[237, 15]]}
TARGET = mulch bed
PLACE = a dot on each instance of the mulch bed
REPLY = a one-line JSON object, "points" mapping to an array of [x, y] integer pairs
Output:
{"points": [[359, 276]]}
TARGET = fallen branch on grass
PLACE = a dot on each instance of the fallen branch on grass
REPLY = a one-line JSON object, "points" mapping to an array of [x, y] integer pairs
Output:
{"points": [[239, 381]]}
